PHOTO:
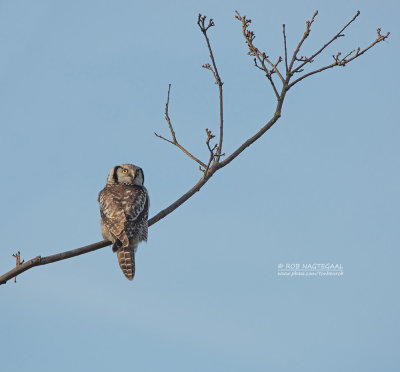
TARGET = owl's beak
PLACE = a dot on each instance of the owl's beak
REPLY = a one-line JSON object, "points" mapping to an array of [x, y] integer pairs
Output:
{"points": [[133, 174]]}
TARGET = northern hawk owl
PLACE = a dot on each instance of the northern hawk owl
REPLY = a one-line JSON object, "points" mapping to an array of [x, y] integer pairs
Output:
{"points": [[124, 207]]}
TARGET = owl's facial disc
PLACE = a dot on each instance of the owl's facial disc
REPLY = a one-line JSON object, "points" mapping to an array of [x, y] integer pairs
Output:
{"points": [[128, 174]]}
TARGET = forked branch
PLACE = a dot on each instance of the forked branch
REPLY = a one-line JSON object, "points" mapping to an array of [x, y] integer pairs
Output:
{"points": [[337, 35], [261, 60], [338, 60], [174, 141], [213, 164], [342, 61]]}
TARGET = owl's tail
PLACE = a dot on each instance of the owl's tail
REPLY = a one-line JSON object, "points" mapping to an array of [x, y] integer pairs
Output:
{"points": [[126, 259]]}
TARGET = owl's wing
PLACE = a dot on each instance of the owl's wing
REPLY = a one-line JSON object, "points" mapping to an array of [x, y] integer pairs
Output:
{"points": [[137, 213], [137, 204], [112, 212]]}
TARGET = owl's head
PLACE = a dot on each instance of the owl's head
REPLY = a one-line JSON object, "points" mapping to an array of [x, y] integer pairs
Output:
{"points": [[126, 174]]}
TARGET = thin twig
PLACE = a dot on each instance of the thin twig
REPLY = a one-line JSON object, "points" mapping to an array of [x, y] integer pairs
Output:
{"points": [[213, 156], [18, 262], [249, 37], [284, 44], [273, 85], [268, 74], [201, 22], [174, 140], [167, 116], [345, 60], [339, 34], [305, 35]]}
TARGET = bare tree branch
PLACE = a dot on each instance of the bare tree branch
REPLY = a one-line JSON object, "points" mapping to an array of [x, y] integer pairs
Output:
{"points": [[201, 22], [285, 47], [214, 163], [260, 57], [339, 34], [345, 60], [210, 136], [37, 261], [18, 262], [305, 36], [174, 140]]}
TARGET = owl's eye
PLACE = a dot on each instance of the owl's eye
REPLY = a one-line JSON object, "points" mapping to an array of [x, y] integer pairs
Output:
{"points": [[124, 171]]}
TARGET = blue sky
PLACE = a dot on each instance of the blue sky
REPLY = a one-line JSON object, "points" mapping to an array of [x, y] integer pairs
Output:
{"points": [[83, 87]]}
